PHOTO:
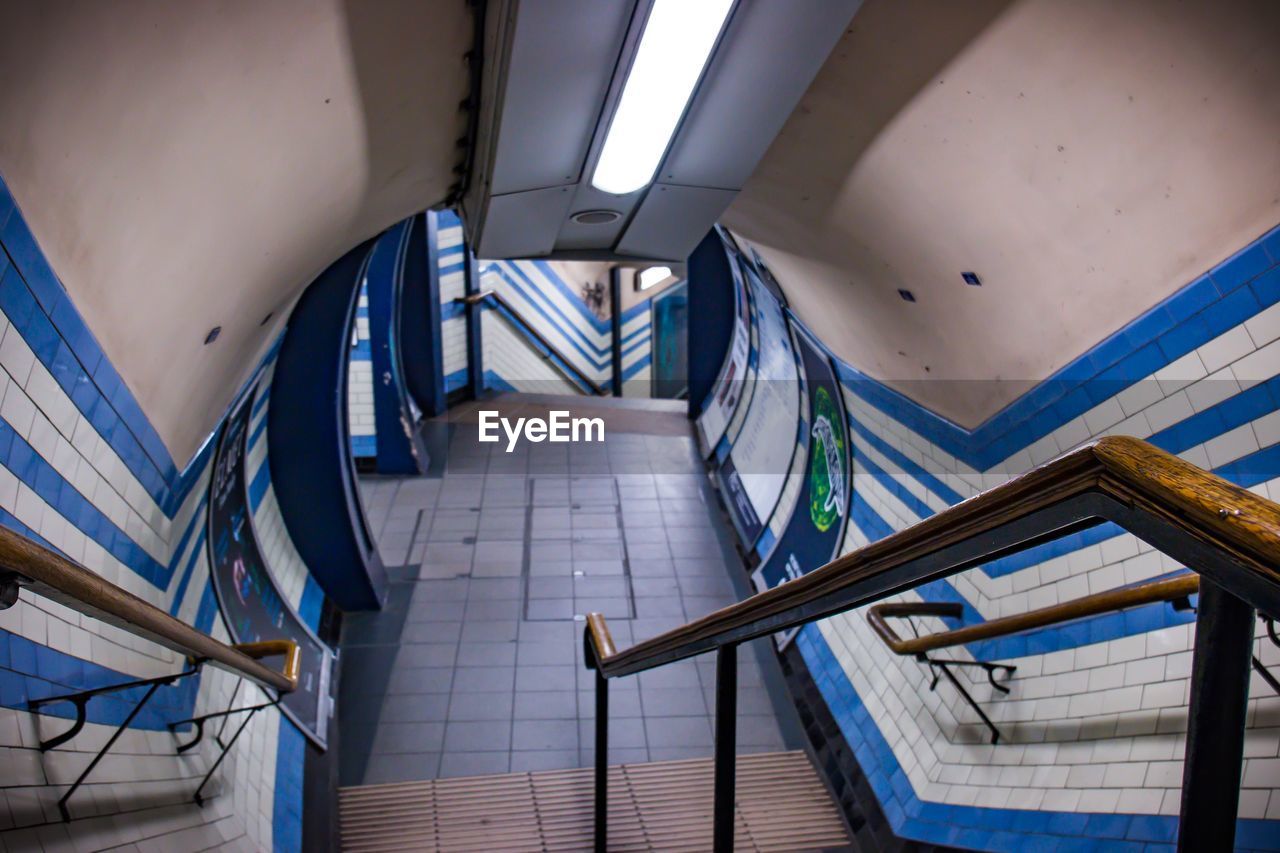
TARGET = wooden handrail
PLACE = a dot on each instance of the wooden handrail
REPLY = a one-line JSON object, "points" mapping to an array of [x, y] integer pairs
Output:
{"points": [[53, 576], [1110, 601], [563, 360], [1209, 524]]}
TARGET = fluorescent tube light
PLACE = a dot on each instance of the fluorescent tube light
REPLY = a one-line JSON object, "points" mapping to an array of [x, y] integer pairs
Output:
{"points": [[674, 48], [653, 275]]}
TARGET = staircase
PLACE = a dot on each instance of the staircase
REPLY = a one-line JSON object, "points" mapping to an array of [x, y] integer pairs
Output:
{"points": [[662, 805]]}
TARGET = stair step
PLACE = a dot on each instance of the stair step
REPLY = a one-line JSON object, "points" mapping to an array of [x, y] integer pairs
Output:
{"points": [[661, 805]]}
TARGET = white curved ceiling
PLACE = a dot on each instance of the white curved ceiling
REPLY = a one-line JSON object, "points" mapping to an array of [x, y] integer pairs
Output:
{"points": [[196, 164], [1085, 158]]}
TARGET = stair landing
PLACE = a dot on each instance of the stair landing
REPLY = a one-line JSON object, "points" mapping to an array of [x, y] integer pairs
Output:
{"points": [[661, 805]]}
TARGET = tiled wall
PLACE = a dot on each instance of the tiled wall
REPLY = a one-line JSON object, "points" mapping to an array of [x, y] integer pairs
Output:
{"points": [[82, 470], [1094, 728], [360, 421], [511, 359]]}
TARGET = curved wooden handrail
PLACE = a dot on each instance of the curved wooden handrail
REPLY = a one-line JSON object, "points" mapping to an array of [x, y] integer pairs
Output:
{"points": [[53, 576], [562, 360], [1110, 601], [1213, 526]]}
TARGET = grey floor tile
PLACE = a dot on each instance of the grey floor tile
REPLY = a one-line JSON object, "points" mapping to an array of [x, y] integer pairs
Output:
{"points": [[489, 631], [624, 732], [539, 567], [433, 611], [492, 609], [759, 731], [397, 738], [414, 708], [487, 654], [431, 632], [465, 707], [677, 731], [553, 759], [546, 653], [681, 675], [492, 569], [426, 654], [658, 607], [551, 587], [483, 679], [672, 702], [546, 705], [544, 734], [534, 679], [677, 753], [599, 567], [453, 589], [609, 587], [454, 764], [586, 756], [477, 736], [549, 608], [383, 769], [660, 587], [550, 632], [432, 679], [493, 589]]}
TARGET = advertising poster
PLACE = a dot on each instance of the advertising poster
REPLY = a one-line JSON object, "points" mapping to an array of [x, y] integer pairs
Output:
{"points": [[251, 605], [762, 450], [812, 537]]}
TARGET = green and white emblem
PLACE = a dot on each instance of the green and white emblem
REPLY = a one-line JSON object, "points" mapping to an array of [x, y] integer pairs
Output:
{"points": [[826, 468]]}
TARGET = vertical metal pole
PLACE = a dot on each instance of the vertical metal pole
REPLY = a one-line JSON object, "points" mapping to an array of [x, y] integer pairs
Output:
{"points": [[615, 326], [726, 747], [602, 759], [1220, 671], [475, 347]]}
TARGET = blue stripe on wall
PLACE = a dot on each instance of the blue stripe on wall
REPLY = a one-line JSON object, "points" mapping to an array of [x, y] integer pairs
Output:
{"points": [[973, 826], [38, 307], [1229, 294]]}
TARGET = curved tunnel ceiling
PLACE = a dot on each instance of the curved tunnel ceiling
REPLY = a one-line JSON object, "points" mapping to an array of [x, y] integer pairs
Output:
{"points": [[191, 165], [1086, 159]]}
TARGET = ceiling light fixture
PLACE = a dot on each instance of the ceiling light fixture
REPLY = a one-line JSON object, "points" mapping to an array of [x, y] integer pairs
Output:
{"points": [[674, 48], [648, 278]]}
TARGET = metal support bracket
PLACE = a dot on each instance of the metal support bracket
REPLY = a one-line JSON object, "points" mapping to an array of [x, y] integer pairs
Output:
{"points": [[81, 701], [200, 721], [10, 583], [197, 797], [943, 666]]}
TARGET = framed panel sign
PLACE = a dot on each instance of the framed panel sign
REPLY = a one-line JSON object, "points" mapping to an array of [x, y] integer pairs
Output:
{"points": [[251, 604], [762, 449], [813, 535]]}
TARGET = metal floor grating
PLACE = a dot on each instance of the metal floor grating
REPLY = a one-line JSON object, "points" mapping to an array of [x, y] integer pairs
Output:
{"points": [[661, 805]]}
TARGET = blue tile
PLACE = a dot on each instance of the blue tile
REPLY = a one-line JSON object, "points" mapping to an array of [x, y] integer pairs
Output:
{"points": [[1192, 299], [1266, 287], [25, 253], [1185, 337], [1240, 268], [1271, 242], [1231, 310]]}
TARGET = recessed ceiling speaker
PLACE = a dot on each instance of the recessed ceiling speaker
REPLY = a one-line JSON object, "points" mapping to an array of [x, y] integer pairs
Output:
{"points": [[596, 217]]}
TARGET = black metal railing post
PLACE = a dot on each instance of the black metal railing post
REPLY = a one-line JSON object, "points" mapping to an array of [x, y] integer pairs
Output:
{"points": [[1220, 671], [726, 747], [602, 761]]}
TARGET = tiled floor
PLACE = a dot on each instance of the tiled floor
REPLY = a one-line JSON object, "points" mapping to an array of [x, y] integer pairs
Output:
{"points": [[475, 664]]}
